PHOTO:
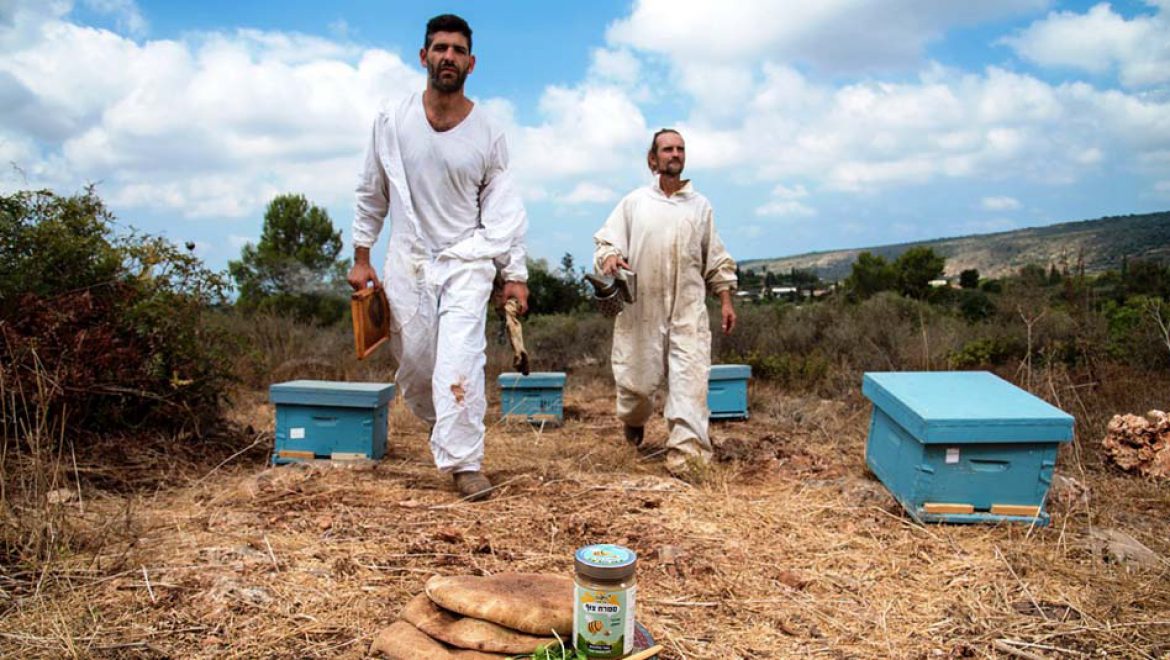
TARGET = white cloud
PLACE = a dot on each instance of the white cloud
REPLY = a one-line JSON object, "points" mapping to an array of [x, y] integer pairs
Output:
{"points": [[213, 125], [785, 202], [715, 51], [15, 149], [789, 192], [786, 207], [125, 12], [995, 125], [216, 124], [585, 130], [618, 66], [756, 113], [589, 193], [831, 34], [1099, 41], [1001, 203], [711, 149]]}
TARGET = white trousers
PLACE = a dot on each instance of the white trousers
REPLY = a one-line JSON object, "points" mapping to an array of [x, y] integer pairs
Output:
{"points": [[440, 354], [643, 360]]}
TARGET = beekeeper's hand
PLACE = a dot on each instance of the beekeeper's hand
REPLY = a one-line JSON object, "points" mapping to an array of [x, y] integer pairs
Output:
{"points": [[612, 263], [519, 291], [728, 312], [362, 273]]}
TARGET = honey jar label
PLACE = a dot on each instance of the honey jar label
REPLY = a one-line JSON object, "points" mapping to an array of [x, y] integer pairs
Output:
{"points": [[603, 621]]}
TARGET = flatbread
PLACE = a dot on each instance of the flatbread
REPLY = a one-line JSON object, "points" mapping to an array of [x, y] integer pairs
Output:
{"points": [[529, 602], [466, 632], [402, 641]]}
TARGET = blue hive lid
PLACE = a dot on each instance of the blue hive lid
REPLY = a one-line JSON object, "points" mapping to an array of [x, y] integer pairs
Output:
{"points": [[965, 406], [331, 393], [730, 372], [541, 379]]}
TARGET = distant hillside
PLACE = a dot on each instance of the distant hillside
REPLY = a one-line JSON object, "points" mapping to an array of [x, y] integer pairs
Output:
{"points": [[1101, 243]]}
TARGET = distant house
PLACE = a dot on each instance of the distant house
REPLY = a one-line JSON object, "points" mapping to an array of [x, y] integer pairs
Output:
{"points": [[938, 284]]}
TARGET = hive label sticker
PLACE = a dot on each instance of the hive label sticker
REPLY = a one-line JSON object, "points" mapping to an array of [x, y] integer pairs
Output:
{"points": [[952, 454], [298, 433]]}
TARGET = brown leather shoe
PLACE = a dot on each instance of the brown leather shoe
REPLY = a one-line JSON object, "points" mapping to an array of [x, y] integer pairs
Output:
{"points": [[473, 486], [635, 435]]}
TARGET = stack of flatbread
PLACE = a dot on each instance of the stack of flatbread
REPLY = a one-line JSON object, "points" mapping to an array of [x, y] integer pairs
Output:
{"points": [[468, 617]]}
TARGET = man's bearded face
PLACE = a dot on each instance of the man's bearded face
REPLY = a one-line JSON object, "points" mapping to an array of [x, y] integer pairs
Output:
{"points": [[670, 155], [448, 61]]}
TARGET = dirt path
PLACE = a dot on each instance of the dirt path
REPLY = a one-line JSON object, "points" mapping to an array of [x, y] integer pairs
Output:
{"points": [[786, 548]]}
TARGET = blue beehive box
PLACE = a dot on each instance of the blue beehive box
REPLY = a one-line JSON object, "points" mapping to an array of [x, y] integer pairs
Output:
{"points": [[727, 391], [963, 446], [537, 397], [326, 419]]}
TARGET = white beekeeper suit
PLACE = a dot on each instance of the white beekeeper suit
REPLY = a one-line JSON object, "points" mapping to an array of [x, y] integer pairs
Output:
{"points": [[455, 218], [670, 241]]}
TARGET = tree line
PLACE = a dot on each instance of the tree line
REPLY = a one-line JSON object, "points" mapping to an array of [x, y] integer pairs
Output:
{"points": [[112, 330], [296, 269]]}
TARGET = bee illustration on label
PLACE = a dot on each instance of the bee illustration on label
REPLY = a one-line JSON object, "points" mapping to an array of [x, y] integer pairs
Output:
{"points": [[595, 626]]}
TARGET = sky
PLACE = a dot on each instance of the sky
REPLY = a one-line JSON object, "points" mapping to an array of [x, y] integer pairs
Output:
{"points": [[809, 125]]}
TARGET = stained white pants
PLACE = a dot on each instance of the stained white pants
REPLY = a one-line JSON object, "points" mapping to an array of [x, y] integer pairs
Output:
{"points": [[440, 355], [646, 358]]}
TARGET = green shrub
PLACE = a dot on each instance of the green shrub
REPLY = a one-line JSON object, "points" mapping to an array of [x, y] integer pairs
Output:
{"points": [[803, 372], [565, 342], [975, 305], [113, 323], [1134, 333], [985, 353]]}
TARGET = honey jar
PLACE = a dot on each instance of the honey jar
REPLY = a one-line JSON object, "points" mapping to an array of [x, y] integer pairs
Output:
{"points": [[604, 596]]}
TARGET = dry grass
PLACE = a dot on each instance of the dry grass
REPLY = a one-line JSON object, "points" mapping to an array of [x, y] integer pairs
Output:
{"points": [[786, 548]]}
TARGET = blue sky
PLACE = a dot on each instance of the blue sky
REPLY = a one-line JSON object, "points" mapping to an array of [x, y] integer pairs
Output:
{"points": [[810, 126]]}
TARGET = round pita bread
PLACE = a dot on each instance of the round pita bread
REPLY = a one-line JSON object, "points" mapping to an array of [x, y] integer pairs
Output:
{"points": [[402, 641], [534, 603], [466, 632]]}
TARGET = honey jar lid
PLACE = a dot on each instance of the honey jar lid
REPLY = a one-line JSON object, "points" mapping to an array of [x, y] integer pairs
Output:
{"points": [[605, 562]]}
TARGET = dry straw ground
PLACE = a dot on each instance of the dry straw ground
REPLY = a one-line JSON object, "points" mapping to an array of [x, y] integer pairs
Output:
{"points": [[784, 548]]}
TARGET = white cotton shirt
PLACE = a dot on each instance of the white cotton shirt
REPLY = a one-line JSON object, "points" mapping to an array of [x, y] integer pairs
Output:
{"points": [[447, 170], [453, 187], [449, 196]]}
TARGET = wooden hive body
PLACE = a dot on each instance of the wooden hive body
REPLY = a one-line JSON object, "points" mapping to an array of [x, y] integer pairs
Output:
{"points": [[963, 446], [327, 419]]}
